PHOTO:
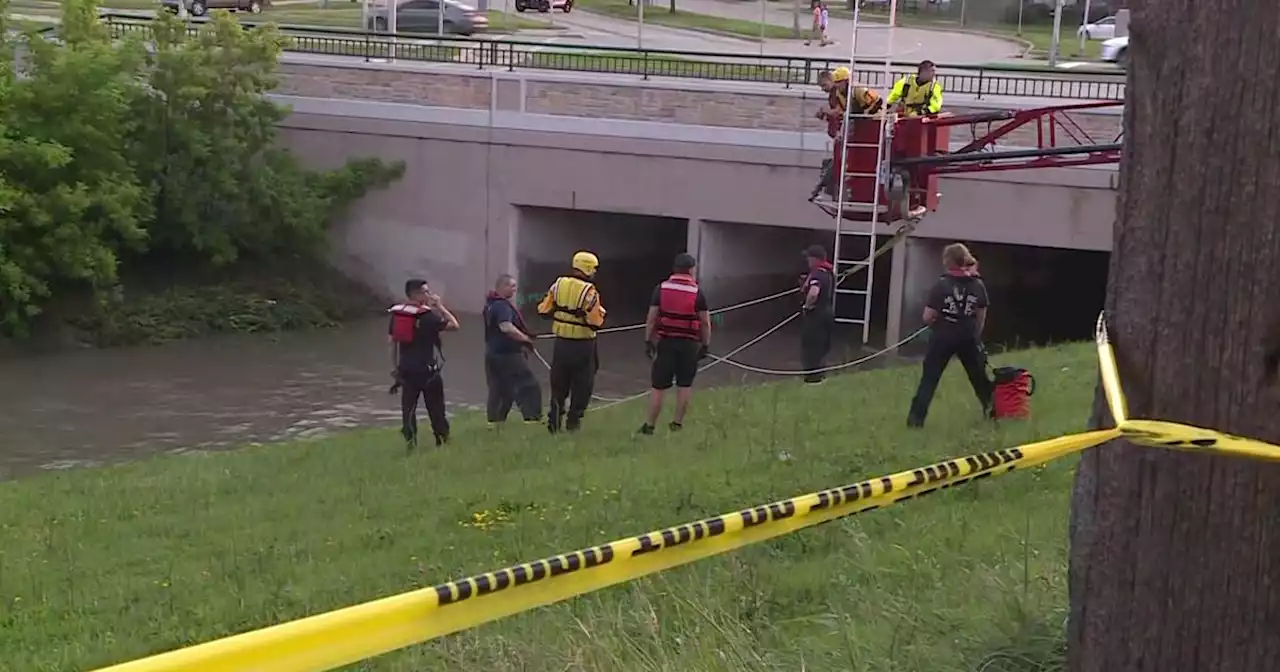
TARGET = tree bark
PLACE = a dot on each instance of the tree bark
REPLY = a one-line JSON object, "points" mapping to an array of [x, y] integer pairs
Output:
{"points": [[1175, 557]]}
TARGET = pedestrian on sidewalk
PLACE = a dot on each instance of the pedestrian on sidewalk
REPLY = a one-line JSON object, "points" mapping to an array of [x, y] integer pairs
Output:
{"points": [[820, 19]]}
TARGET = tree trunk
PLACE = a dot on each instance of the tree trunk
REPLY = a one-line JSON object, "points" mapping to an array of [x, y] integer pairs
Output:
{"points": [[1175, 557]]}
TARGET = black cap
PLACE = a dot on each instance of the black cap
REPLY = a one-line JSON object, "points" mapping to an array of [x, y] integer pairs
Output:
{"points": [[816, 252], [927, 64], [684, 261]]}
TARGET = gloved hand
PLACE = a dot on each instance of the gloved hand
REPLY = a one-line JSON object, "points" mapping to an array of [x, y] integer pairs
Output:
{"points": [[397, 384], [703, 352], [650, 350]]}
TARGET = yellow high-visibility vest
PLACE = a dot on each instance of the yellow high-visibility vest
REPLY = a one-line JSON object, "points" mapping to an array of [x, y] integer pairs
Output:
{"points": [[917, 98], [574, 306]]}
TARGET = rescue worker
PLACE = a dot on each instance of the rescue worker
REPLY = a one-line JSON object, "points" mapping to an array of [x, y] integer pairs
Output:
{"points": [[507, 344], [956, 311], [573, 304], [414, 332], [817, 319], [866, 101], [677, 334], [918, 94]]}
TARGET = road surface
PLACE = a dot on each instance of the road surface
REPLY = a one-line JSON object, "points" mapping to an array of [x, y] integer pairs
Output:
{"points": [[872, 40]]}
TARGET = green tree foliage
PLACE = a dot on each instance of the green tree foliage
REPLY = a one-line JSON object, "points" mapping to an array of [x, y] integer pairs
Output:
{"points": [[112, 151], [69, 200]]}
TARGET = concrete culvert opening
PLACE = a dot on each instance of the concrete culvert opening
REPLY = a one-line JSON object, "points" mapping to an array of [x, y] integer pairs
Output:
{"points": [[1042, 295], [635, 251]]}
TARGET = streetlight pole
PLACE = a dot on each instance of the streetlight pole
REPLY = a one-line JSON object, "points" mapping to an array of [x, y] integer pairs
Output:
{"points": [[640, 26], [1084, 21], [1057, 34]]}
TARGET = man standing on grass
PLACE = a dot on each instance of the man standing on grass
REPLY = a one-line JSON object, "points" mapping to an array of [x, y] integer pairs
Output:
{"points": [[507, 344], [677, 333], [414, 332]]}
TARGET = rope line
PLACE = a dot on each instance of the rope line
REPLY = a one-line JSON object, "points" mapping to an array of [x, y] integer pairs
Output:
{"points": [[903, 231]]}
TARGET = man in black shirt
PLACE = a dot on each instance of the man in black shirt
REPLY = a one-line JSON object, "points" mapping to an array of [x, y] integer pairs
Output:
{"points": [[956, 312], [414, 331], [816, 313], [677, 333], [506, 357]]}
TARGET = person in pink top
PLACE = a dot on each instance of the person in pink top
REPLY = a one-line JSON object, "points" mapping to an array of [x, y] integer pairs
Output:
{"points": [[820, 18]]}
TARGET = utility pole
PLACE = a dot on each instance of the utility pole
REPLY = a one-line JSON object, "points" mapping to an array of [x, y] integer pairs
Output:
{"points": [[1084, 21], [1057, 34]]}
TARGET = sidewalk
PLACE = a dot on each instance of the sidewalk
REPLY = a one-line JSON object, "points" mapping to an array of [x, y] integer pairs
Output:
{"points": [[909, 43]]}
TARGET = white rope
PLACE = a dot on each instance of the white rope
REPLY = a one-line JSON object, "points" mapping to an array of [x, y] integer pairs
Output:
{"points": [[717, 311], [825, 369]]}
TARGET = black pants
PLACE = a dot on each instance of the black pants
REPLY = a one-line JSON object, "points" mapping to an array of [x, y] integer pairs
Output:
{"points": [[824, 179], [573, 377], [674, 361], [944, 343], [510, 381], [430, 386], [815, 342]]}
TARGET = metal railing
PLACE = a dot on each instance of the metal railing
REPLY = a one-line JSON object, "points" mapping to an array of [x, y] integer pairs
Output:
{"points": [[980, 81]]}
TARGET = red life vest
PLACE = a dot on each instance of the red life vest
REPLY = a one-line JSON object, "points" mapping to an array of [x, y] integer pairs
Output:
{"points": [[1012, 394], [677, 308], [404, 321]]}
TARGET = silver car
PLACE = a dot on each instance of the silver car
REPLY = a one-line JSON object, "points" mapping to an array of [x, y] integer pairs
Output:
{"points": [[1116, 50], [422, 16]]}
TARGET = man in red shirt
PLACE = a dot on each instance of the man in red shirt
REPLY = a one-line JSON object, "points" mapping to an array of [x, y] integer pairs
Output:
{"points": [[677, 334]]}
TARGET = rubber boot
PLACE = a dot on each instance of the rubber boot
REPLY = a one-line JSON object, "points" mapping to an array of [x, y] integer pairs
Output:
{"points": [[553, 418]]}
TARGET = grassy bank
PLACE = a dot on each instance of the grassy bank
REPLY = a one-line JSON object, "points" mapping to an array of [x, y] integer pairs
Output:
{"points": [[662, 16], [98, 566]]}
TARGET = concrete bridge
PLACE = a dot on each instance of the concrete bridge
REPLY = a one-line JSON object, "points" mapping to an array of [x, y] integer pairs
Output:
{"points": [[513, 171]]}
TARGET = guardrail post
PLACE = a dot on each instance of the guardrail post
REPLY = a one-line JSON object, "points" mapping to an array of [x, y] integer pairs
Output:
{"points": [[981, 81], [644, 61]]}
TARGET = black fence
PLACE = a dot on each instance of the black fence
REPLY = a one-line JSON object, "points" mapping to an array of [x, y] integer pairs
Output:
{"points": [[787, 71]]}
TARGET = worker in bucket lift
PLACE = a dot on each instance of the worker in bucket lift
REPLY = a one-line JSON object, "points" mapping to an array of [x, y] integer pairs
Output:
{"points": [[677, 333], [956, 312], [573, 305], [866, 101], [507, 345], [919, 94], [414, 331], [817, 319]]}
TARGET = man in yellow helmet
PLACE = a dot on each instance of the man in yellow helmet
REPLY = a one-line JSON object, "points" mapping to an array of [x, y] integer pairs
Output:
{"points": [[838, 84], [919, 94], [573, 304]]}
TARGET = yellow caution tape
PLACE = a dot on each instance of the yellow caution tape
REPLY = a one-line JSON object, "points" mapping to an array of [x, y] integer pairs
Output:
{"points": [[1161, 434], [352, 634]]}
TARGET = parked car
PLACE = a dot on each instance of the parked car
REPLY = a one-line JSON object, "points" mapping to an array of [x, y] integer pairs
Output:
{"points": [[421, 16], [544, 6], [202, 7], [1116, 50], [1102, 29]]}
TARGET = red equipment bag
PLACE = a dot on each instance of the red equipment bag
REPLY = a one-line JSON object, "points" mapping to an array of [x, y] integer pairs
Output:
{"points": [[1012, 394], [404, 321]]}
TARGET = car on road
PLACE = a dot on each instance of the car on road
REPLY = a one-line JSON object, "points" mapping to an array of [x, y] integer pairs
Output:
{"points": [[422, 16], [544, 6], [1102, 29], [202, 7], [1116, 50]]}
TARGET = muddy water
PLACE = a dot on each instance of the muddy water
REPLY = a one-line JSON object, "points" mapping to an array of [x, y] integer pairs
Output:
{"points": [[97, 406]]}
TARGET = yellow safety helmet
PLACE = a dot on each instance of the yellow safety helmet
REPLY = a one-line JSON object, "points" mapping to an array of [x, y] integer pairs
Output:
{"points": [[586, 262], [841, 74]]}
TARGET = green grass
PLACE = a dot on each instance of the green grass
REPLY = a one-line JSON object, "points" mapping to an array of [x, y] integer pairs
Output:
{"points": [[657, 65], [660, 16], [99, 566]]}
